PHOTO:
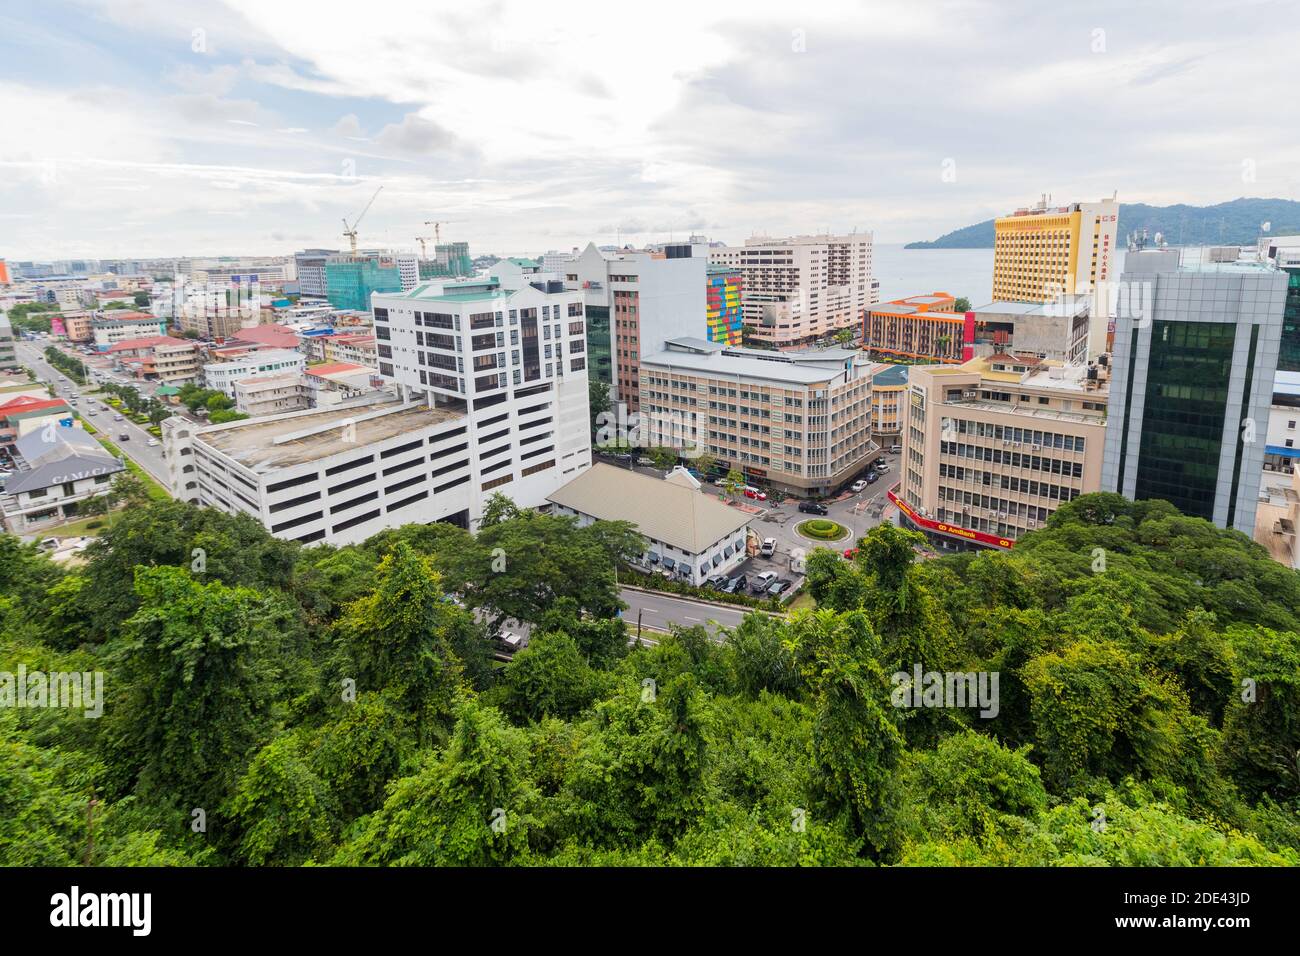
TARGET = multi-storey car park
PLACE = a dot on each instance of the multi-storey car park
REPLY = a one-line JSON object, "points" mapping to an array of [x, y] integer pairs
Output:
{"points": [[487, 392]]}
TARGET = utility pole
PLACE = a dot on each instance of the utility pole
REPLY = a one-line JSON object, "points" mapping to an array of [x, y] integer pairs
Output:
{"points": [[90, 831], [638, 625]]}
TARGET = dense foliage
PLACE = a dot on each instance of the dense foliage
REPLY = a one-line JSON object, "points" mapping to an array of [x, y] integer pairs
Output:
{"points": [[269, 704]]}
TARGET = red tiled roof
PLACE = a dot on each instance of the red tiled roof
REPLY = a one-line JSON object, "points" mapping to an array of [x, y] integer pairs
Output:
{"points": [[277, 335], [147, 342], [335, 367], [26, 404]]}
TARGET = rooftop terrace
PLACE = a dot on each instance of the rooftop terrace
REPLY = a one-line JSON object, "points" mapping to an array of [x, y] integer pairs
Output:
{"points": [[265, 445]]}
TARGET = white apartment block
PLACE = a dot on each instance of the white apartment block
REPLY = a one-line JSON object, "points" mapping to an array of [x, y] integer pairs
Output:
{"points": [[222, 376], [109, 331], [310, 266], [804, 288]]}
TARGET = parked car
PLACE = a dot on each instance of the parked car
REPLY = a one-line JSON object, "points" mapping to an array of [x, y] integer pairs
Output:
{"points": [[881, 460], [769, 547], [755, 493], [895, 449], [850, 554], [762, 582], [151, 442], [49, 544], [510, 643], [735, 585], [883, 469], [715, 583], [778, 587], [117, 418], [859, 484], [644, 461], [813, 508], [872, 477]]}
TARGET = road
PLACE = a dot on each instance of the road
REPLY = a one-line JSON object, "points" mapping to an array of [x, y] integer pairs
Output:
{"points": [[136, 447], [659, 610]]}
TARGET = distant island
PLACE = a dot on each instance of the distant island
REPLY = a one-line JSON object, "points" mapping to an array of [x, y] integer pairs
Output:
{"points": [[1228, 223]]}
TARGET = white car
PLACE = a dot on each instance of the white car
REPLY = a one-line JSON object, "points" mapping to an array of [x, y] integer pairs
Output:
{"points": [[151, 442], [858, 485], [769, 547]]}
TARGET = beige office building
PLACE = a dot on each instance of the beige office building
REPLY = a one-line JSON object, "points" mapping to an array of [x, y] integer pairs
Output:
{"points": [[797, 290], [992, 447], [798, 421]]}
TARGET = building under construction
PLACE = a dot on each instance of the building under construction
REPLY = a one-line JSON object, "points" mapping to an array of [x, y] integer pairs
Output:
{"points": [[451, 260]]}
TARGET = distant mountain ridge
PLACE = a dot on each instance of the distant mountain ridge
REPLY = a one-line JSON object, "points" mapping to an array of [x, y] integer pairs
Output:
{"points": [[1227, 223]]}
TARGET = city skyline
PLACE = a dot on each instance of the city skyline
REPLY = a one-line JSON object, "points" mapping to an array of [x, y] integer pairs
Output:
{"points": [[205, 128]]}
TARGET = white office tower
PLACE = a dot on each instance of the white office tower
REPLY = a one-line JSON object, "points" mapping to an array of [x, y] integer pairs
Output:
{"points": [[509, 353]]}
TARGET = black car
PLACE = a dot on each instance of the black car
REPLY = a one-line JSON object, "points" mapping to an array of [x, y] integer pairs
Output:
{"points": [[881, 460], [813, 508], [778, 587], [735, 585]]}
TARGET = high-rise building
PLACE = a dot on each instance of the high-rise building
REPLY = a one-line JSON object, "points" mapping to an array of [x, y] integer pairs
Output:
{"points": [[351, 280], [643, 299], [559, 262], [451, 260], [993, 446], [310, 265], [1042, 251], [723, 303], [507, 354], [1284, 252], [919, 327], [798, 421], [1195, 355], [4, 273], [800, 289]]}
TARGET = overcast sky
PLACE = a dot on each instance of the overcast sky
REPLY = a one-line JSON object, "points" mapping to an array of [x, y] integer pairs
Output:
{"points": [[192, 127]]}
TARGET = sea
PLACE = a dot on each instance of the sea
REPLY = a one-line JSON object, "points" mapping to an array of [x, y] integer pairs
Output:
{"points": [[959, 272]]}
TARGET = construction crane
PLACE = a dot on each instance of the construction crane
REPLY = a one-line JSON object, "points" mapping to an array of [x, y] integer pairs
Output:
{"points": [[351, 231], [437, 228], [424, 253]]}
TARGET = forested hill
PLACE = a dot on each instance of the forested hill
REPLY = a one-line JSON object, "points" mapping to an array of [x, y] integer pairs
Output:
{"points": [[1229, 223], [338, 705]]}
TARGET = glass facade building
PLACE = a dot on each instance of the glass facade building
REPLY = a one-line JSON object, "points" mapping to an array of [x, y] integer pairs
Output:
{"points": [[1195, 354], [1186, 401]]}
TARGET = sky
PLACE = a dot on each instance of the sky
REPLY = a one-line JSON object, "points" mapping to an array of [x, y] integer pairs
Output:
{"points": [[135, 128]]}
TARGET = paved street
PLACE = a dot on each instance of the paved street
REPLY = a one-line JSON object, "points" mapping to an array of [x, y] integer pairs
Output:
{"points": [[136, 447], [660, 610]]}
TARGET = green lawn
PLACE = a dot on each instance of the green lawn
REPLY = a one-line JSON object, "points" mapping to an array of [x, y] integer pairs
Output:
{"points": [[156, 490], [803, 602]]}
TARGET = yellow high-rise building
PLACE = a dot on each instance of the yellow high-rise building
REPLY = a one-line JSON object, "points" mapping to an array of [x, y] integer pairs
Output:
{"points": [[1044, 251]]}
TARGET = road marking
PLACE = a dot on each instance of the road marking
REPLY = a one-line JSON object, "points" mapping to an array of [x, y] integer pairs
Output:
{"points": [[690, 618]]}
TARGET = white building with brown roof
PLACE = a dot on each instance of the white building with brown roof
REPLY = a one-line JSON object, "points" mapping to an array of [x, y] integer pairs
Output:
{"points": [[689, 534]]}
